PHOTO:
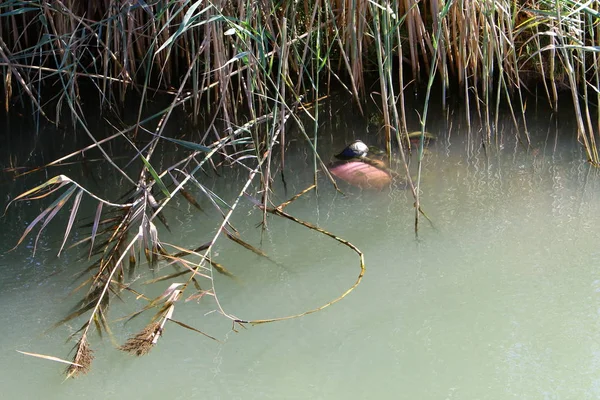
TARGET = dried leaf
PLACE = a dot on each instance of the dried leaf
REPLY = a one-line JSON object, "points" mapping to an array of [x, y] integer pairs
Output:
{"points": [[186, 326], [246, 245], [199, 295], [190, 199], [173, 287], [221, 269], [167, 277], [59, 180], [95, 226], [51, 358], [74, 209], [48, 213]]}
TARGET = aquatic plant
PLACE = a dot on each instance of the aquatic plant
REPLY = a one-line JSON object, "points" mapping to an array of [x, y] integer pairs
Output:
{"points": [[246, 72]]}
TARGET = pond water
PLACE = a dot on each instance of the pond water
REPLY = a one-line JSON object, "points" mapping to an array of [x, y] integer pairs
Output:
{"points": [[498, 298]]}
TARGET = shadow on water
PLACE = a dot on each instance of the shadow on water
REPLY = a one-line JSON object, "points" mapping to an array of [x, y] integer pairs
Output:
{"points": [[499, 300]]}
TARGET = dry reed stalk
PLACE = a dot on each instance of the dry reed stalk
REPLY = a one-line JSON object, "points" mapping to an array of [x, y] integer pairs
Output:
{"points": [[279, 211]]}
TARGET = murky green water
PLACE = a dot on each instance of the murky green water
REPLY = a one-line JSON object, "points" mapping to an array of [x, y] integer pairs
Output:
{"points": [[499, 299]]}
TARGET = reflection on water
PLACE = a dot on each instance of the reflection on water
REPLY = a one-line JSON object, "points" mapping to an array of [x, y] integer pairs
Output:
{"points": [[498, 299]]}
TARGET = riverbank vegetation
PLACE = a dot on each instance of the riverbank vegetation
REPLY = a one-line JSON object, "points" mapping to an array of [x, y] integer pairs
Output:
{"points": [[247, 73]]}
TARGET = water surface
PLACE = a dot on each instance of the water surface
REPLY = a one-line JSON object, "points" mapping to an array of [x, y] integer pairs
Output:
{"points": [[498, 298]]}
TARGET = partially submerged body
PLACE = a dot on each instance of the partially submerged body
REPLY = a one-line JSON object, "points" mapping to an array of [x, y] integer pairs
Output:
{"points": [[361, 174], [354, 167], [365, 167]]}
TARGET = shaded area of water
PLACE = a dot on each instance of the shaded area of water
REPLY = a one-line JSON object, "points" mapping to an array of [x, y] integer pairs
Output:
{"points": [[499, 298]]}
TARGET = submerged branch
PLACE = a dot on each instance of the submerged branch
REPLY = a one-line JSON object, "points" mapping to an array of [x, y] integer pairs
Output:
{"points": [[279, 212]]}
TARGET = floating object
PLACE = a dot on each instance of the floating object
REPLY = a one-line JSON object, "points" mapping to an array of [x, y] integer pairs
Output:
{"points": [[360, 174], [415, 137], [359, 170], [356, 149]]}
